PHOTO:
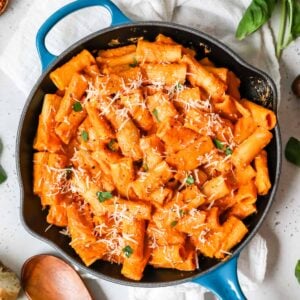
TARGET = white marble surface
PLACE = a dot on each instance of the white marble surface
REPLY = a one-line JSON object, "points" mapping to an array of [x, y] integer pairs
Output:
{"points": [[281, 229]]}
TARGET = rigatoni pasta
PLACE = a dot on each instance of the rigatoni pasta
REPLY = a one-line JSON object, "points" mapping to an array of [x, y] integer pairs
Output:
{"points": [[149, 156]]}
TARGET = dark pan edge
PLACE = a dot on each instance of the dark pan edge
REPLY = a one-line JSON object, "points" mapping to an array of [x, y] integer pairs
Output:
{"points": [[57, 61]]}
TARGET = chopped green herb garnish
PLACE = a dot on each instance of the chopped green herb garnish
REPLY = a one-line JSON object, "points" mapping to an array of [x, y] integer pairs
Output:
{"points": [[181, 212], [297, 270], [127, 250], [178, 87], [77, 106], [174, 223], [218, 144], [228, 151], [134, 64], [3, 175], [155, 113], [69, 171], [145, 167], [112, 145], [190, 179], [85, 135], [103, 196], [292, 151]]}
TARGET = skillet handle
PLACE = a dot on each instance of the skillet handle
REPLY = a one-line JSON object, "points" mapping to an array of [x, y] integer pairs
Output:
{"points": [[223, 281], [45, 56]]}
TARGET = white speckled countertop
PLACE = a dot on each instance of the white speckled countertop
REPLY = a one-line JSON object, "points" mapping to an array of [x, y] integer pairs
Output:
{"points": [[281, 228]]}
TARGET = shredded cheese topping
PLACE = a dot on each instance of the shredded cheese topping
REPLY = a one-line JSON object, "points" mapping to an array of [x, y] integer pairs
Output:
{"points": [[156, 178]]}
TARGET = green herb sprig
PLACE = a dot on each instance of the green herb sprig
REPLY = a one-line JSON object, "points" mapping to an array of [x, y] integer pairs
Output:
{"points": [[292, 151], [260, 11]]}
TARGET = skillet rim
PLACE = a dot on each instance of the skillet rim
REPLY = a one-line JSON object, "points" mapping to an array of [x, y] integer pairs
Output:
{"points": [[197, 33]]}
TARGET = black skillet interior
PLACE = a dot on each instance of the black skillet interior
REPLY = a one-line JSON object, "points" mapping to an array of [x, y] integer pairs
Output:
{"points": [[255, 86]]}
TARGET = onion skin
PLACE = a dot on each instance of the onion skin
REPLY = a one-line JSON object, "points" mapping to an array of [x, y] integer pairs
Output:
{"points": [[3, 4]]}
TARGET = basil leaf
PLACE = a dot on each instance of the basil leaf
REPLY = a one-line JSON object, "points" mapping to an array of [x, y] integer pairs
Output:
{"points": [[256, 15], [155, 113], [295, 28], [85, 135], [134, 64], [190, 180], [292, 151], [103, 196], [3, 175], [77, 106], [297, 270], [173, 223], [127, 251], [218, 144], [286, 18]]}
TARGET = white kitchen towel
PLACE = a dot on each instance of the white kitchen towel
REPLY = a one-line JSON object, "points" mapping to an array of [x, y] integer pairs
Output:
{"points": [[19, 59], [219, 18]]}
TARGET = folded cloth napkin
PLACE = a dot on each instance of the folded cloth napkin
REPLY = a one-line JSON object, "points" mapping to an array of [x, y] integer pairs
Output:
{"points": [[218, 18]]}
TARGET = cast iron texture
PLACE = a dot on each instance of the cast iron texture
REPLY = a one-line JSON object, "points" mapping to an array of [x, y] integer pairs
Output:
{"points": [[255, 85]]}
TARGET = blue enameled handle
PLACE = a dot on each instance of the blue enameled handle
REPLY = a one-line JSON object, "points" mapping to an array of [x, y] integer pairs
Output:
{"points": [[223, 281], [45, 56]]}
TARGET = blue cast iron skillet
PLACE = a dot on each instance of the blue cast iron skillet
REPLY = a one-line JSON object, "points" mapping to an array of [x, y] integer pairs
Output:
{"points": [[219, 277]]}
